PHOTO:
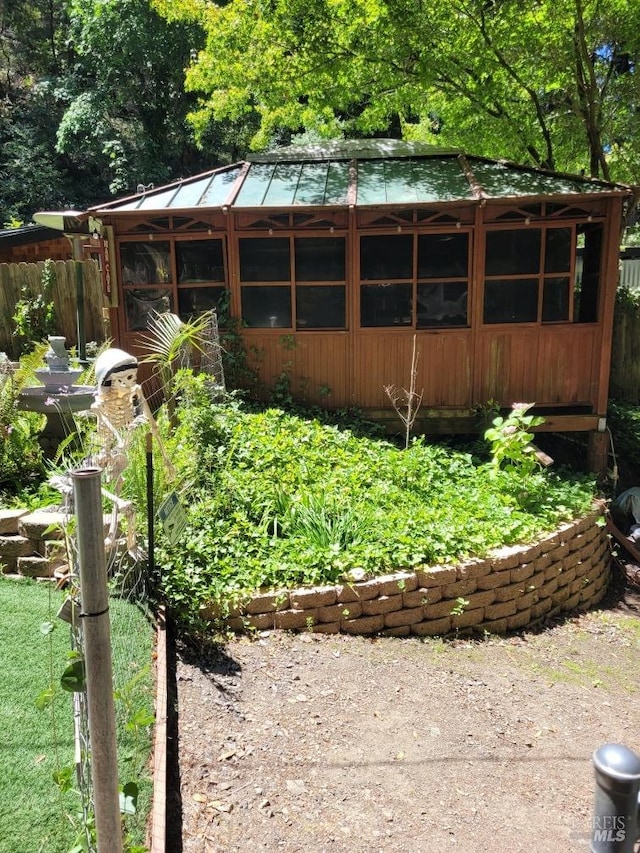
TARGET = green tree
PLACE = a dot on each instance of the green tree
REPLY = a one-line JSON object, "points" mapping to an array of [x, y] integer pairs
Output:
{"points": [[553, 84]]}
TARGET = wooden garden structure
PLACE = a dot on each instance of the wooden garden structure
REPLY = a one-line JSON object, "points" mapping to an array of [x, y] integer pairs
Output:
{"points": [[334, 256]]}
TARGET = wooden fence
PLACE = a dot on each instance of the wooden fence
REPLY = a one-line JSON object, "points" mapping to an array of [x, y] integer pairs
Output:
{"points": [[16, 279]]}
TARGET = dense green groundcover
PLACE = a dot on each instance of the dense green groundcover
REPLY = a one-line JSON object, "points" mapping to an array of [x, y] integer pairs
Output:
{"points": [[277, 500], [37, 742]]}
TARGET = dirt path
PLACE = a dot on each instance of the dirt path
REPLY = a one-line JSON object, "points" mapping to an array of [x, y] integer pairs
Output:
{"points": [[332, 743]]}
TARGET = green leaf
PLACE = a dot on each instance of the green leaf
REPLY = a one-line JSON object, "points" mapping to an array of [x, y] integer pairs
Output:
{"points": [[45, 698], [73, 679], [129, 799]]}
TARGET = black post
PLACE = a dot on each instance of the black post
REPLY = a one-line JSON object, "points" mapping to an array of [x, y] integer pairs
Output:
{"points": [[615, 820], [150, 512]]}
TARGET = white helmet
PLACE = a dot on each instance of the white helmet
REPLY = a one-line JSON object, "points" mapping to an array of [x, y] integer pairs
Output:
{"points": [[113, 361]]}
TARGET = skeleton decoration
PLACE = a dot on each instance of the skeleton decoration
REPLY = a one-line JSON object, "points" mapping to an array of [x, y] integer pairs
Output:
{"points": [[119, 407]]}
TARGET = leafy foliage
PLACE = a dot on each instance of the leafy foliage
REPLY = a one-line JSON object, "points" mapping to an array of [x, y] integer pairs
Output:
{"points": [[553, 84], [280, 500]]}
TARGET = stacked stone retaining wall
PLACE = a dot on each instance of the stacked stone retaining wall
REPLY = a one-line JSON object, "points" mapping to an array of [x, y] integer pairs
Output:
{"points": [[512, 588], [32, 543]]}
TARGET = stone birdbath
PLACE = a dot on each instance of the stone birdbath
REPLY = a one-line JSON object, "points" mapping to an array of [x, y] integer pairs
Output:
{"points": [[59, 398]]}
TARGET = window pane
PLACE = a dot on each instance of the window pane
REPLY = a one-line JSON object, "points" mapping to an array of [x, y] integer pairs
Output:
{"points": [[386, 256], [588, 285], [197, 300], [557, 254], [267, 307], [320, 307], [443, 255], [511, 301], [320, 259], [442, 304], [200, 260], [145, 263], [139, 304], [513, 252], [385, 305], [265, 259], [555, 300]]}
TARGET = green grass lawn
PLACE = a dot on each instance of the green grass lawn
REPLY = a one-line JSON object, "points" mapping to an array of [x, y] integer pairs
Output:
{"points": [[34, 744]]}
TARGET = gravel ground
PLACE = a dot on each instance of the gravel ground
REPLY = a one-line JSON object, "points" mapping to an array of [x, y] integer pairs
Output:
{"points": [[322, 743]]}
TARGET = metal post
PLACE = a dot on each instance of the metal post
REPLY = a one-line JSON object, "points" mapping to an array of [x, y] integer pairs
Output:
{"points": [[94, 598], [150, 513], [615, 821]]}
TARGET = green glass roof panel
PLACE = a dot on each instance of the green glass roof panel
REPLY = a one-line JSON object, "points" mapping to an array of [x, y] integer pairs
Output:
{"points": [[337, 189], [255, 185], [152, 200], [217, 192], [407, 181], [440, 179], [371, 182], [283, 186], [312, 184], [503, 181], [189, 194]]}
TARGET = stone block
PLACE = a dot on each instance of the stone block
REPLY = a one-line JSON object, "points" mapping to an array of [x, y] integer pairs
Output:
{"points": [[542, 562], [572, 602], [293, 620], [527, 600], [359, 591], [467, 618], [326, 628], [530, 553], [9, 519], [494, 626], [439, 610], [8, 565], [541, 608], [548, 588], [460, 588], [535, 581], [15, 546], [260, 621], [43, 525], [268, 602], [501, 610], [584, 568], [519, 619], [505, 558], [521, 573], [419, 597], [432, 627], [509, 593], [480, 599], [577, 542], [560, 596], [474, 568], [34, 567], [436, 576], [495, 579], [397, 582], [313, 597], [408, 616], [559, 552], [566, 578], [400, 631], [553, 570], [384, 604], [572, 559], [364, 625], [336, 612]]}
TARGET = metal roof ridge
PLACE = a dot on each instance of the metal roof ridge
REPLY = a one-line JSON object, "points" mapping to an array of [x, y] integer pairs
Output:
{"points": [[550, 173]]}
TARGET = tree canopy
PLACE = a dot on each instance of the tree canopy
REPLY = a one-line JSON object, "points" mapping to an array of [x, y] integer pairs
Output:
{"points": [[555, 84]]}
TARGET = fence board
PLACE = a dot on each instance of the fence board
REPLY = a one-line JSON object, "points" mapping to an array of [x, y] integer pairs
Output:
{"points": [[15, 277]]}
